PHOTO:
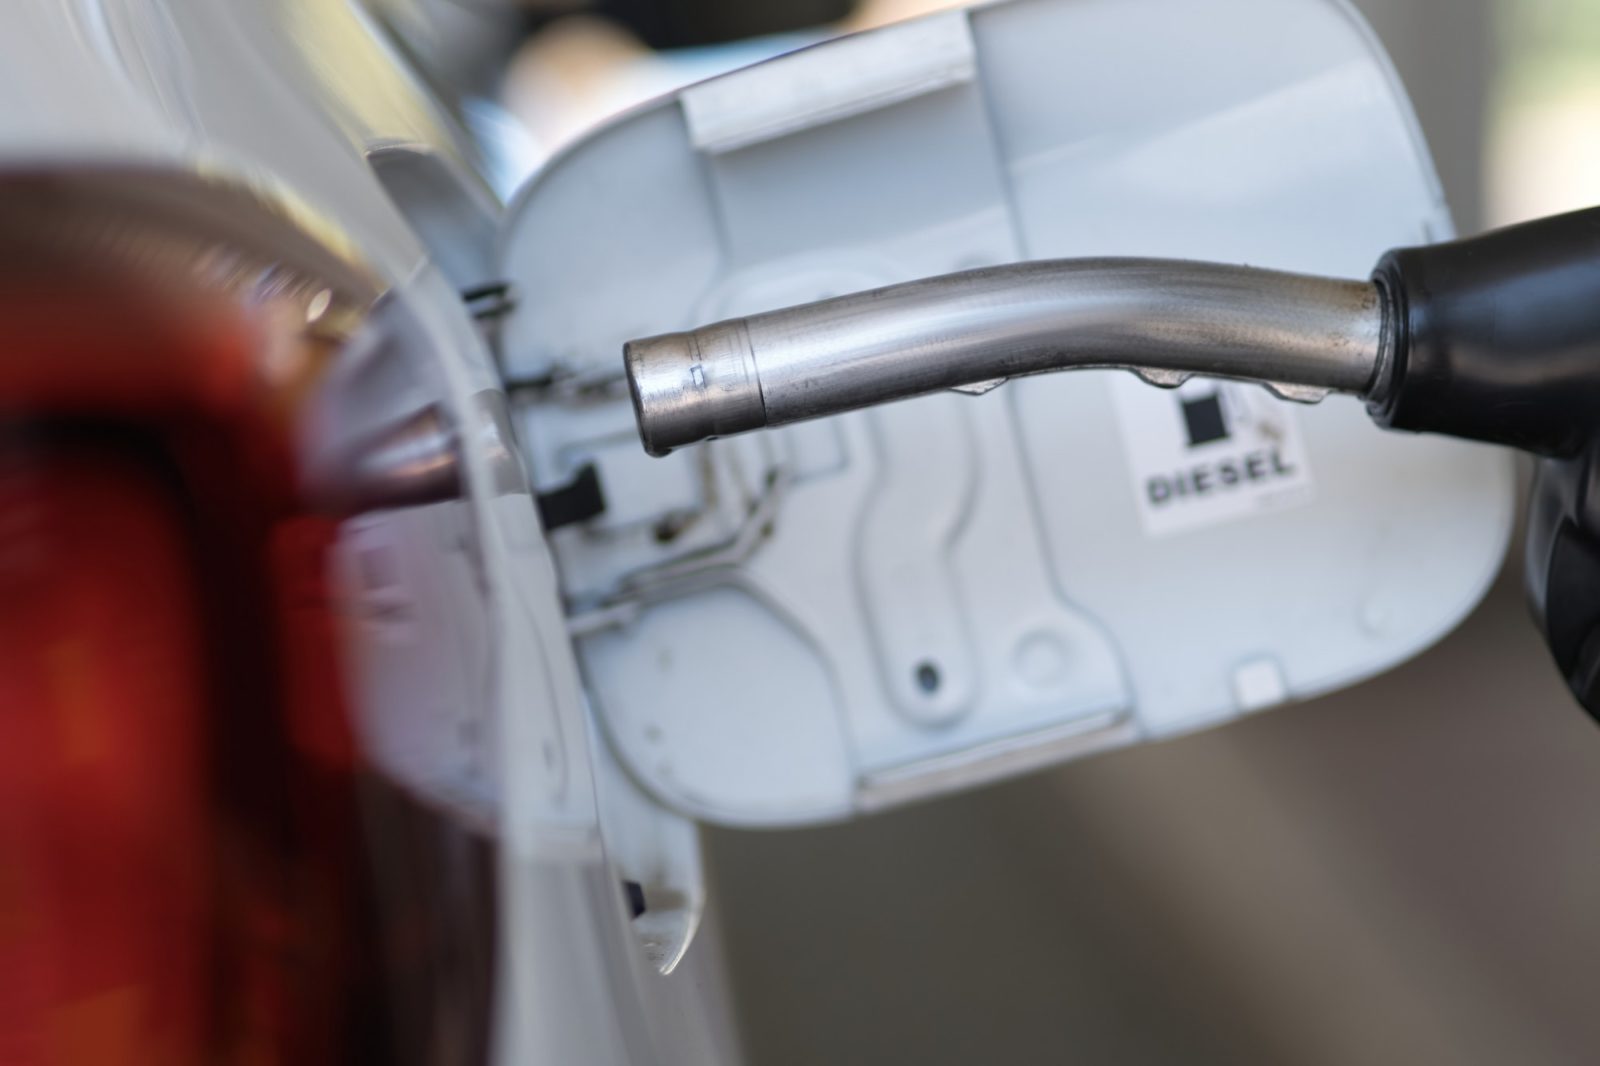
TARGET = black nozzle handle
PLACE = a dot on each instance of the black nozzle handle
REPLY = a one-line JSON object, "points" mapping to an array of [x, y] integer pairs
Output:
{"points": [[1497, 337]]}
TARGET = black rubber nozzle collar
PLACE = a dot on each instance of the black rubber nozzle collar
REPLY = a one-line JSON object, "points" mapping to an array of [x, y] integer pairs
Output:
{"points": [[1497, 337]]}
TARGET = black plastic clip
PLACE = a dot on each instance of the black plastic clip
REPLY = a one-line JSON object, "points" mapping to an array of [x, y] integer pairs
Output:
{"points": [[493, 299], [577, 501]]}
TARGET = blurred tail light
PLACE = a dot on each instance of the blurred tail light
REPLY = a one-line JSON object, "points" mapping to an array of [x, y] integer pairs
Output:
{"points": [[181, 878]]}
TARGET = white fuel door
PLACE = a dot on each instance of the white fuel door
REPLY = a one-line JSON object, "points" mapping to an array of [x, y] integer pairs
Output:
{"points": [[798, 625]]}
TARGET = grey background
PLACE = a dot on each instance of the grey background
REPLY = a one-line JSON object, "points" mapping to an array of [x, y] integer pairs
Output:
{"points": [[1404, 872]]}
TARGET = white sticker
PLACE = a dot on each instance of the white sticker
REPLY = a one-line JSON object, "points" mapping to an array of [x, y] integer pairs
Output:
{"points": [[1209, 452]]}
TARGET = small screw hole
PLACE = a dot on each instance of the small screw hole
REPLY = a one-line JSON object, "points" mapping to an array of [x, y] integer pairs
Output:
{"points": [[927, 675], [669, 528]]}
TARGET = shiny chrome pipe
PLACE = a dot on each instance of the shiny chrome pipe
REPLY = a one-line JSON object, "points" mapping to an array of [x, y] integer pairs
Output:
{"points": [[1166, 319]]}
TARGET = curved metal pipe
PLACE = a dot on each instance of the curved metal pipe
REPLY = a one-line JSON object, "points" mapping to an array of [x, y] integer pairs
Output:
{"points": [[1165, 318]]}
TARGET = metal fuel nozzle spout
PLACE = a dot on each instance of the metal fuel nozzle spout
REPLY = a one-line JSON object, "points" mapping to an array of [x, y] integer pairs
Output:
{"points": [[1303, 336]]}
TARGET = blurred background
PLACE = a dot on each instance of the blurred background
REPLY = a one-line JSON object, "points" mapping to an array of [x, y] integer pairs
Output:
{"points": [[1404, 872]]}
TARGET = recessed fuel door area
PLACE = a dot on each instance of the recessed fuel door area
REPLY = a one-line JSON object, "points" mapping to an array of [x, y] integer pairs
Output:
{"points": [[798, 625]]}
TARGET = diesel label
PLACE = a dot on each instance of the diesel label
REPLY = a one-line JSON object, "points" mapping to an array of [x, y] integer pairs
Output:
{"points": [[1209, 452]]}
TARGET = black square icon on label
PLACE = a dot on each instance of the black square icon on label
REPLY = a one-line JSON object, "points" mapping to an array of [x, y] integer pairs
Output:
{"points": [[1203, 418]]}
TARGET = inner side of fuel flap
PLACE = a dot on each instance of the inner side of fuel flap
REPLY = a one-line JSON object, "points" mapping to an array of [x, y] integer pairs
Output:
{"points": [[795, 626]]}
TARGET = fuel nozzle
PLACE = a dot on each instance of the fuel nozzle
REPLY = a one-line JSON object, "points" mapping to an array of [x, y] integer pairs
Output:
{"points": [[1166, 320], [1495, 338]]}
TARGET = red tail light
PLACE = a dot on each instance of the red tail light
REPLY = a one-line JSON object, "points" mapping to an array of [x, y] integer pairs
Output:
{"points": [[106, 910], [179, 875]]}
